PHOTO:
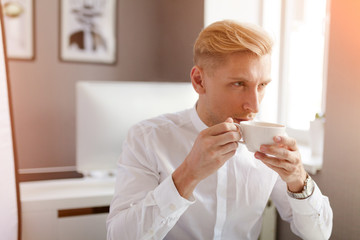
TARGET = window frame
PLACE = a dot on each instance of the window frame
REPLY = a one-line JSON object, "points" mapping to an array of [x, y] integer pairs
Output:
{"points": [[302, 136]]}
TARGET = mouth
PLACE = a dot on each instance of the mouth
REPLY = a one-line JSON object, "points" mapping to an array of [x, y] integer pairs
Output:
{"points": [[238, 120]]}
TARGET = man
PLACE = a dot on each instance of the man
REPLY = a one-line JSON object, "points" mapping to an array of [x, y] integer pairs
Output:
{"points": [[184, 175]]}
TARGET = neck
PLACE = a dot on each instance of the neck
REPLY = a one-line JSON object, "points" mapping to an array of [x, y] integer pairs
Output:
{"points": [[201, 111]]}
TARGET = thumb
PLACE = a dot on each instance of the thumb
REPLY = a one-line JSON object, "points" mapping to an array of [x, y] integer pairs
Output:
{"points": [[229, 120]]}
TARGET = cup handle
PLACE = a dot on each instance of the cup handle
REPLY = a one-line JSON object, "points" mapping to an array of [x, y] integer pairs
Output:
{"points": [[239, 127]]}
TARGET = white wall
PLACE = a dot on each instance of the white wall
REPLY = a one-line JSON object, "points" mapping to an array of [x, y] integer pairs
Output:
{"points": [[239, 10], [154, 42], [180, 21], [341, 178]]}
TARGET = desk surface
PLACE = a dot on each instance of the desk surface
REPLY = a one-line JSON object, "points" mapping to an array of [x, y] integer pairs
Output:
{"points": [[66, 193]]}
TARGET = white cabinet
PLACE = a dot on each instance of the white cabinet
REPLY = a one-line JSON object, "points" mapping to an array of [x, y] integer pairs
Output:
{"points": [[82, 227], [70, 209]]}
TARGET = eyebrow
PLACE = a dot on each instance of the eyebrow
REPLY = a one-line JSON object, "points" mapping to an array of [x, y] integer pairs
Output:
{"points": [[246, 80]]}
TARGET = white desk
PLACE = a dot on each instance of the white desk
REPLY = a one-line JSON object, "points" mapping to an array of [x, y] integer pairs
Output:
{"points": [[58, 210], [65, 209]]}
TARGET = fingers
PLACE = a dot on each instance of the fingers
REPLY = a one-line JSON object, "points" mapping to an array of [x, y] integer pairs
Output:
{"points": [[275, 163], [225, 133], [286, 141], [229, 120], [229, 148], [221, 139], [228, 155], [290, 172], [227, 137], [222, 128], [279, 170], [280, 152]]}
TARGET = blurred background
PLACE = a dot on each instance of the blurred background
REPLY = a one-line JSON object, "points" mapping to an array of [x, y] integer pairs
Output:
{"points": [[315, 71]]}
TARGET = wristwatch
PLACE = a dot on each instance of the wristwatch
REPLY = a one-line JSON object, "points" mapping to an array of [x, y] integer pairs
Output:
{"points": [[307, 191]]}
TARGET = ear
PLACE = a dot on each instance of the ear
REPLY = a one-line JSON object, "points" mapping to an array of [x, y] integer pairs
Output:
{"points": [[197, 79]]}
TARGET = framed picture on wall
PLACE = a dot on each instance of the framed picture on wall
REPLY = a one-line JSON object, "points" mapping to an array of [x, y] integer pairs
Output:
{"points": [[19, 28], [88, 31]]}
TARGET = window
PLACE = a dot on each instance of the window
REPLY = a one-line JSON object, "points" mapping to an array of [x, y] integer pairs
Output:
{"points": [[298, 61]]}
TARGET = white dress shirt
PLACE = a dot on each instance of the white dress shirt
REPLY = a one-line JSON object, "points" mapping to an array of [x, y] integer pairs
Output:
{"points": [[226, 205]]}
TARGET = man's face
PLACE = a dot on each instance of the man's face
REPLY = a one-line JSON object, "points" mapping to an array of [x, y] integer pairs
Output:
{"points": [[233, 89]]}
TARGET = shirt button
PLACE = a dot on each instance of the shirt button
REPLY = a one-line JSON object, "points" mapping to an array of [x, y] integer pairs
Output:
{"points": [[172, 207]]}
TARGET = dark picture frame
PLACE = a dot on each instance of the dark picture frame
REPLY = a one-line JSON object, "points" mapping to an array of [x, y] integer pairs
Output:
{"points": [[88, 31], [19, 26]]}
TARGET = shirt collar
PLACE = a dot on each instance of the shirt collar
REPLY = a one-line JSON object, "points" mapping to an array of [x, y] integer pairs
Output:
{"points": [[199, 125]]}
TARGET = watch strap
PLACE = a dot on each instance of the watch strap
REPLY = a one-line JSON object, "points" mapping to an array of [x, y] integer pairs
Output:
{"points": [[307, 191]]}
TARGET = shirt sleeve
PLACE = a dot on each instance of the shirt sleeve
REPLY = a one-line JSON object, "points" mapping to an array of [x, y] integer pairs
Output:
{"points": [[309, 218], [142, 207]]}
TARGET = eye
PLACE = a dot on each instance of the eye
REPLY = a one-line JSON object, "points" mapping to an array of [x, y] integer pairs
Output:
{"points": [[239, 84], [263, 85]]}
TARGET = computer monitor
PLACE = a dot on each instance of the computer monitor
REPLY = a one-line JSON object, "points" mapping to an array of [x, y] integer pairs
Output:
{"points": [[107, 109]]}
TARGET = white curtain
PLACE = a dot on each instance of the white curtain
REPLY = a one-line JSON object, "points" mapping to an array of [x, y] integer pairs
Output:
{"points": [[8, 199]]}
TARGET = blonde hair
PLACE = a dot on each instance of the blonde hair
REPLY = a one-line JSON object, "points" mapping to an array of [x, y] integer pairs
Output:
{"points": [[222, 38]]}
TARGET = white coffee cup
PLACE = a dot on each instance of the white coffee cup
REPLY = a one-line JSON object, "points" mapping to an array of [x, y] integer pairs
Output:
{"points": [[255, 134]]}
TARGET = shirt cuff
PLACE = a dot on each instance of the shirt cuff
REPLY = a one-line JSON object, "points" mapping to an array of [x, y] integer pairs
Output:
{"points": [[169, 200], [309, 205]]}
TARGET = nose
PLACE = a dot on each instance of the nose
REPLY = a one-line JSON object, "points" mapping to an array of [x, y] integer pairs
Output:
{"points": [[251, 103]]}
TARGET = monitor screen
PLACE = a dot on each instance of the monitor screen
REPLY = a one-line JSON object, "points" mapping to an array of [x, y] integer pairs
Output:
{"points": [[107, 109]]}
